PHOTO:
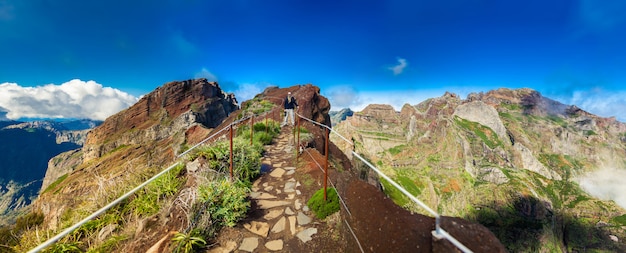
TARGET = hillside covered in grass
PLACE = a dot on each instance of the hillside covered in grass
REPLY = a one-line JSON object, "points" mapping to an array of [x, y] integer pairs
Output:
{"points": [[511, 160]]}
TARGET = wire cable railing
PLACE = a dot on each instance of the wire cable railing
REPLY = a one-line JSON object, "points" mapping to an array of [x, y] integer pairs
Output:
{"points": [[102, 210], [439, 232]]}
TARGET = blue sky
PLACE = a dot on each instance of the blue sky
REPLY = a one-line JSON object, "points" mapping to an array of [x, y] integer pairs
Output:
{"points": [[358, 52]]}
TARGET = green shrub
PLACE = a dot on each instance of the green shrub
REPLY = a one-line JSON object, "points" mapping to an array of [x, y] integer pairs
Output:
{"points": [[187, 242], [146, 202], [246, 157], [263, 138], [620, 220], [225, 201], [63, 248], [397, 149], [29, 221], [324, 208]]}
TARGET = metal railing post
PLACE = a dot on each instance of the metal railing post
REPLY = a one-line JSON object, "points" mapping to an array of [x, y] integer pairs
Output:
{"points": [[266, 126], [326, 163], [231, 152]]}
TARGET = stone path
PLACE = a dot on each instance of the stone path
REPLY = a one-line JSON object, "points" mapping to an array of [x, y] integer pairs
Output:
{"points": [[285, 214]]}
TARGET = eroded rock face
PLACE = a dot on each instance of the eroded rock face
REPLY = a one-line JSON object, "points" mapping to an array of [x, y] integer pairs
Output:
{"points": [[171, 107], [484, 114]]}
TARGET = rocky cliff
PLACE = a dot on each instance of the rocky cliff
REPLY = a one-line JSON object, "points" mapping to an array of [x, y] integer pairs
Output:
{"points": [[510, 159], [25, 150], [135, 141]]}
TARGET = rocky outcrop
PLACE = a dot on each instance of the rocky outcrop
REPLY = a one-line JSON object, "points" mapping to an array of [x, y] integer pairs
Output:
{"points": [[338, 116], [173, 107], [484, 114], [60, 165], [385, 113]]}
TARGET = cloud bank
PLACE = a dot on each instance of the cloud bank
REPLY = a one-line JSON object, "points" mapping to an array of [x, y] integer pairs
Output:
{"points": [[73, 99], [607, 184], [397, 69], [599, 102], [347, 97]]}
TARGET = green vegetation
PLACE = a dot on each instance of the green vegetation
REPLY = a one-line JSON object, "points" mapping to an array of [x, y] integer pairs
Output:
{"points": [[55, 183], [397, 149], [558, 120], [563, 164], [120, 147], [590, 133], [257, 106], [321, 207], [148, 202], [187, 243], [227, 200], [404, 180], [511, 106], [10, 235], [620, 219], [64, 248], [486, 134], [246, 159]]}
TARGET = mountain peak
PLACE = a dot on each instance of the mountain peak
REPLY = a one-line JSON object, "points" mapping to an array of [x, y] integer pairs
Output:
{"points": [[173, 106]]}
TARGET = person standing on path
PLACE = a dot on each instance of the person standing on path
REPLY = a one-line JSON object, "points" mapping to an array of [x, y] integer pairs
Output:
{"points": [[290, 104]]}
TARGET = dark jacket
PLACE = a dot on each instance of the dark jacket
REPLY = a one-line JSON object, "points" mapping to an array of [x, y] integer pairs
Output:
{"points": [[290, 104]]}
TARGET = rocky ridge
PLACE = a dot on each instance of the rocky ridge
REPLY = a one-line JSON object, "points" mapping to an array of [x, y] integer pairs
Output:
{"points": [[148, 134], [124, 148]]}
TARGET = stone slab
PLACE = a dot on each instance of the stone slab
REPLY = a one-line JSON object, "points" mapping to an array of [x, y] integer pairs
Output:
{"points": [[292, 224], [273, 214], [278, 172], [259, 228], [249, 244], [261, 195], [306, 235], [274, 245], [267, 204], [280, 225], [303, 219]]}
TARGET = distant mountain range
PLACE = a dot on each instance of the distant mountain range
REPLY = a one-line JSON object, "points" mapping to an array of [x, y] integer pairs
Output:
{"points": [[512, 160], [25, 148]]}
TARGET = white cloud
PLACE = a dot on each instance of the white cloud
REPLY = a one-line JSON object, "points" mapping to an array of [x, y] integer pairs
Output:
{"points": [[343, 96], [205, 73], [247, 91], [606, 183], [397, 69], [73, 99], [341, 99], [600, 102]]}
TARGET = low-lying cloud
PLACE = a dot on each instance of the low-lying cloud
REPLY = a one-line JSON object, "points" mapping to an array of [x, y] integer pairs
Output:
{"points": [[601, 103], [348, 97], [73, 99], [607, 184]]}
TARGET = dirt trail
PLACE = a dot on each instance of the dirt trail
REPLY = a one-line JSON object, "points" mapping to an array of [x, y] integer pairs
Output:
{"points": [[279, 219]]}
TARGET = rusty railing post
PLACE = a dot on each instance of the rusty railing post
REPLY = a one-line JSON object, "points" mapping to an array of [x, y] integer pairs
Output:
{"points": [[326, 163], [231, 152], [266, 126], [251, 128]]}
